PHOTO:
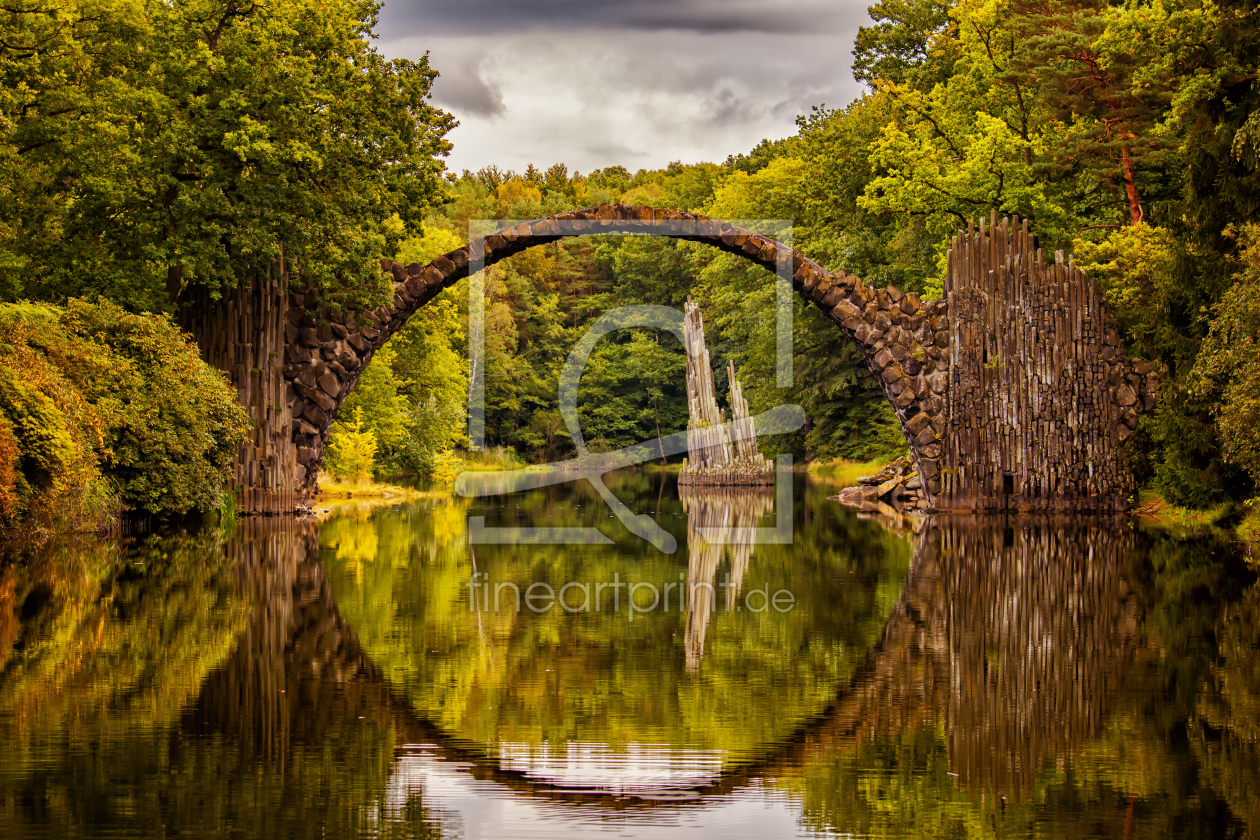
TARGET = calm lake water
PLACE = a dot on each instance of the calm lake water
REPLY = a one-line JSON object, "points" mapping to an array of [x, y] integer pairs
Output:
{"points": [[825, 676]]}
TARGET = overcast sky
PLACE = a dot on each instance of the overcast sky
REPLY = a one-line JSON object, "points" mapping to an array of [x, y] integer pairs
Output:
{"points": [[640, 83]]}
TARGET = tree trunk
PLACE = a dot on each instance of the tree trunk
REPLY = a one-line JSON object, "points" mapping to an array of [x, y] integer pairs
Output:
{"points": [[243, 335], [1130, 187]]}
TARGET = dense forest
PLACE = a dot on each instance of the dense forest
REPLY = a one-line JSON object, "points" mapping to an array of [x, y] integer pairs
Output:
{"points": [[1129, 135], [147, 148]]}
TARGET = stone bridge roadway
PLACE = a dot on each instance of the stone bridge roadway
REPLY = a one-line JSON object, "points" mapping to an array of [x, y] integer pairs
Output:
{"points": [[1014, 637], [1013, 391]]}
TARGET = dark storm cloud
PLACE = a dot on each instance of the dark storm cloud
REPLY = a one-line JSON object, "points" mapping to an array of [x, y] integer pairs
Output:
{"points": [[404, 18], [725, 106], [463, 89], [636, 83]]}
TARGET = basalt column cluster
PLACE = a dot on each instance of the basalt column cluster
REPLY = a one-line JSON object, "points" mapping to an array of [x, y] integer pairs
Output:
{"points": [[1040, 393]]}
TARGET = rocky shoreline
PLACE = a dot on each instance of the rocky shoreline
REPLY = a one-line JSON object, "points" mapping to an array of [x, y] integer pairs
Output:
{"points": [[895, 489]]}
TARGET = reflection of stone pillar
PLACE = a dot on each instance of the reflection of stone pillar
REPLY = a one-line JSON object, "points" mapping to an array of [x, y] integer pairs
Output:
{"points": [[1034, 623], [719, 522], [1013, 632], [703, 558], [295, 641]]}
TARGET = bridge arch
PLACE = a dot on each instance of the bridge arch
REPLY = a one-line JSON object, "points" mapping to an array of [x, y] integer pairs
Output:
{"points": [[882, 322], [1012, 391]]}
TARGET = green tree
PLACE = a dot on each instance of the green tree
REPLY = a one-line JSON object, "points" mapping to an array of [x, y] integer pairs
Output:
{"points": [[1085, 61], [147, 146], [173, 421], [883, 247], [971, 143], [899, 46], [847, 416], [411, 397], [376, 403], [1228, 367], [632, 390]]}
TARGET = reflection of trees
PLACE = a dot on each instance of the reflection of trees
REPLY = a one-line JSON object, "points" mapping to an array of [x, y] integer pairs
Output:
{"points": [[720, 523], [997, 677], [101, 630], [297, 717], [142, 695], [1001, 663], [557, 677], [1225, 729], [107, 643]]}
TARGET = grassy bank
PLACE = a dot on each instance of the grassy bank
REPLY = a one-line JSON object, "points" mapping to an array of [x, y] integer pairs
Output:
{"points": [[1249, 528], [492, 458], [845, 473], [331, 490], [1154, 509], [1226, 518]]}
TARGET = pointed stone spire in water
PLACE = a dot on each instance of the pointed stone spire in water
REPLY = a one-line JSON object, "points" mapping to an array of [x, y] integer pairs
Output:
{"points": [[716, 454]]}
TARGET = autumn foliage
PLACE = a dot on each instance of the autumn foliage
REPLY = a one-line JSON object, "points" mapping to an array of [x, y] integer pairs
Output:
{"points": [[103, 411]]}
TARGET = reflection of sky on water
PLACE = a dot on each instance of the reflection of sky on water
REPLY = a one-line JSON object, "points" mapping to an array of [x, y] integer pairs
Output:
{"points": [[478, 809], [592, 765]]}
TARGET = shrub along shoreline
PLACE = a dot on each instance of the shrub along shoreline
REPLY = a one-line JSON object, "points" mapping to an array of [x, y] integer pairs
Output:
{"points": [[105, 413]]}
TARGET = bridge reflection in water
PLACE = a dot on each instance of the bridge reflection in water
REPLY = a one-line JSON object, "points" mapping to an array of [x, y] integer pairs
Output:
{"points": [[1012, 635]]}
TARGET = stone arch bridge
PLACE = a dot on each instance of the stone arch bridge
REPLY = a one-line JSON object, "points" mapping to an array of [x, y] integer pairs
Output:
{"points": [[1013, 390]]}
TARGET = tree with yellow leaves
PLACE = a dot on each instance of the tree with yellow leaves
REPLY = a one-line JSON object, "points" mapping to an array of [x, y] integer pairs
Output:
{"points": [[352, 451]]}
